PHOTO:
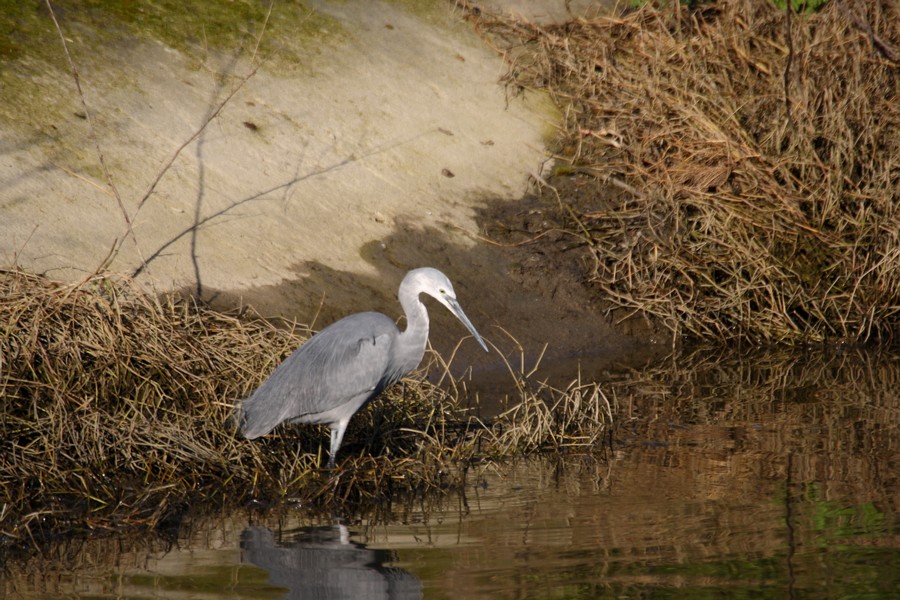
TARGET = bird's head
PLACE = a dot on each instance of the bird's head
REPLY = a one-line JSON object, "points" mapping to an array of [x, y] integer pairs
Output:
{"points": [[434, 283]]}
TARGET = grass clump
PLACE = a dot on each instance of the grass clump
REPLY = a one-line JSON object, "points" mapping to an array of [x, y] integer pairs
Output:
{"points": [[114, 403], [737, 167], [116, 407]]}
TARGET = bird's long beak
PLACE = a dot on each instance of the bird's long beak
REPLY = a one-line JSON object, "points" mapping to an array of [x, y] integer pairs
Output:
{"points": [[457, 310]]}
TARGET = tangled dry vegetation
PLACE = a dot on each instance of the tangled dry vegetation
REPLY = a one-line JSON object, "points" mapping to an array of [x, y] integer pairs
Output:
{"points": [[741, 164], [115, 410]]}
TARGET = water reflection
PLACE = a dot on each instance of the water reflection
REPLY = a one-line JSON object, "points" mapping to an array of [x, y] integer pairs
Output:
{"points": [[763, 475], [322, 563]]}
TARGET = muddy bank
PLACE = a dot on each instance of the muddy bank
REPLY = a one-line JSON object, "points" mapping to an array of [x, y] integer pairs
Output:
{"points": [[297, 161]]}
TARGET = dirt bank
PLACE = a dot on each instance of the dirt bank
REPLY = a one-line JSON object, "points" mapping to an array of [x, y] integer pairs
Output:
{"points": [[299, 161]]}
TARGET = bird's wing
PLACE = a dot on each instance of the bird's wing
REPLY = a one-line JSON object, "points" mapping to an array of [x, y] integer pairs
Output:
{"points": [[343, 362]]}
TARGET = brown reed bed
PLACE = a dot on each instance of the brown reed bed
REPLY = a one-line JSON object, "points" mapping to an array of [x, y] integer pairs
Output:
{"points": [[733, 169], [115, 410]]}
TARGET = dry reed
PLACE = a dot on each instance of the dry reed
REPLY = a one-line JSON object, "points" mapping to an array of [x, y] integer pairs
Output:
{"points": [[741, 164], [115, 410]]}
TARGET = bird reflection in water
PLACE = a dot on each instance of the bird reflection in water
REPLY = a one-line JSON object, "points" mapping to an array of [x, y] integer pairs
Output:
{"points": [[322, 562]]}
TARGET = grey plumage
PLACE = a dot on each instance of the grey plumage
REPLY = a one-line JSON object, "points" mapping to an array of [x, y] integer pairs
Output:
{"points": [[347, 364]]}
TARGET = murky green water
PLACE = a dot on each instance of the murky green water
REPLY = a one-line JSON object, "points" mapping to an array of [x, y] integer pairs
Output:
{"points": [[765, 476]]}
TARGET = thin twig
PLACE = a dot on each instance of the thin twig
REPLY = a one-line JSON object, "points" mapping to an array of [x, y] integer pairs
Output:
{"points": [[91, 131], [788, 65]]}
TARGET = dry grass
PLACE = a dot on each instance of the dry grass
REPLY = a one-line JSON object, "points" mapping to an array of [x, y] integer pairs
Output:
{"points": [[755, 159], [576, 418], [115, 410]]}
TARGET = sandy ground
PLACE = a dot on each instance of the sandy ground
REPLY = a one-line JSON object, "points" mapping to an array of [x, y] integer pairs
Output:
{"points": [[314, 187]]}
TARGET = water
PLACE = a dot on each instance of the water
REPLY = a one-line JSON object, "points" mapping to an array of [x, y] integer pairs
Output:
{"points": [[764, 476]]}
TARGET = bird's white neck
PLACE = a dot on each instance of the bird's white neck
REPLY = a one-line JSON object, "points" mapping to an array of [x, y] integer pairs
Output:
{"points": [[416, 333]]}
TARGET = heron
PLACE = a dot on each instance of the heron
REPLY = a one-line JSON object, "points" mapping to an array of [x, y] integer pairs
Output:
{"points": [[348, 364]]}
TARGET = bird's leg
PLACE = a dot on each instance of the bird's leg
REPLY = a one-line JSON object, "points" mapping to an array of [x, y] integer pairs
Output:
{"points": [[332, 449], [337, 435]]}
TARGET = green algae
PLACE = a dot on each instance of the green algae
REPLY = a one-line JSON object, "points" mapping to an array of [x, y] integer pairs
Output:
{"points": [[38, 87]]}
